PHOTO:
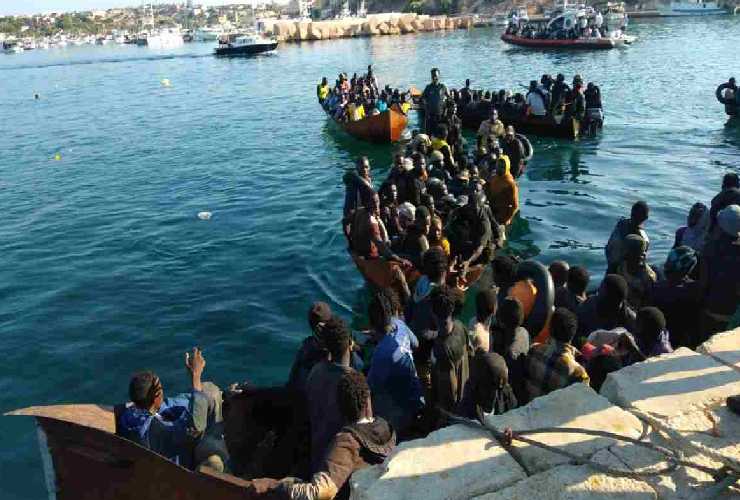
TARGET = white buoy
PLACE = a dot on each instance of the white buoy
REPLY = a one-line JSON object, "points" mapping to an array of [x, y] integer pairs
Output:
{"points": [[205, 215], [166, 82]]}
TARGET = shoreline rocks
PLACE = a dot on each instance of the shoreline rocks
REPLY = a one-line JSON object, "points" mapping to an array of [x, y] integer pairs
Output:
{"points": [[372, 25], [676, 401]]}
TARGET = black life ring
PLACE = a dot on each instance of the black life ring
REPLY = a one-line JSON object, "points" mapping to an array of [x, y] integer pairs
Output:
{"points": [[720, 97], [545, 300]]}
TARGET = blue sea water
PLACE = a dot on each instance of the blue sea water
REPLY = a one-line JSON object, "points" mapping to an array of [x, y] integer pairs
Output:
{"points": [[106, 268]]}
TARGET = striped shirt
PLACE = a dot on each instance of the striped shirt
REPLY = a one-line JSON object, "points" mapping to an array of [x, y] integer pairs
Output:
{"points": [[552, 366]]}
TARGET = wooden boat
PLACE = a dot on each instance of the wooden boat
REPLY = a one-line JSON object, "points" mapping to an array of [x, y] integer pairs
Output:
{"points": [[380, 273], [567, 128], [384, 127], [84, 459], [578, 43]]}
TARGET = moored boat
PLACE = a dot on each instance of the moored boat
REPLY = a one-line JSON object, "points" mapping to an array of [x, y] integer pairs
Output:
{"points": [[12, 47], [387, 126], [244, 44], [691, 8]]}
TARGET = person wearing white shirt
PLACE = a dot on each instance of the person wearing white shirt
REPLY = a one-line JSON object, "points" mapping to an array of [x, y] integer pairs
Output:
{"points": [[535, 100]]}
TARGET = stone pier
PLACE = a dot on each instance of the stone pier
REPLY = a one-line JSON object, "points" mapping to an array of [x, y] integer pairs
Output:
{"points": [[676, 400], [372, 25]]}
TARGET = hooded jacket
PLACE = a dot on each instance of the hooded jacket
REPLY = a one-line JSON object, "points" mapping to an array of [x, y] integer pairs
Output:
{"points": [[355, 447]]}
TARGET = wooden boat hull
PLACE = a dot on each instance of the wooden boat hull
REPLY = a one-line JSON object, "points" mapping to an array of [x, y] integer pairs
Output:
{"points": [[85, 460], [380, 273], [543, 126], [580, 43], [382, 128]]}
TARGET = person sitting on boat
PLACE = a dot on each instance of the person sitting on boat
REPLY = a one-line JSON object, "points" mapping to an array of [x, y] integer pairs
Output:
{"points": [[471, 234], [369, 236], [436, 236], [344, 84], [182, 428], [491, 127], [415, 242], [496, 154], [537, 100], [434, 98], [389, 211], [322, 90], [404, 105], [355, 110], [363, 440]]}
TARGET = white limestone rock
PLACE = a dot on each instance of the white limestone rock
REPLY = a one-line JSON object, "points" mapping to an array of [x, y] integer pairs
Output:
{"points": [[574, 483], [575, 406], [453, 463], [671, 384], [724, 347]]}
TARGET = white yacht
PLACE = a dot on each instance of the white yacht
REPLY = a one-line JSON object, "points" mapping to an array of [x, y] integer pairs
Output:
{"points": [[691, 8]]}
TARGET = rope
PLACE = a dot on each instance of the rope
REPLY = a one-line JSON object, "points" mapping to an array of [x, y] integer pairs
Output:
{"points": [[672, 456]]}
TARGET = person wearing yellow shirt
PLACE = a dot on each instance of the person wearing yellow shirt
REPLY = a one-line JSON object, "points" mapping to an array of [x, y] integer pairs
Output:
{"points": [[439, 139], [322, 90], [356, 111]]}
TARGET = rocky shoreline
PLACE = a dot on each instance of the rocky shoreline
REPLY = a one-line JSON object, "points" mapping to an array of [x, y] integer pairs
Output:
{"points": [[676, 400], [372, 25]]}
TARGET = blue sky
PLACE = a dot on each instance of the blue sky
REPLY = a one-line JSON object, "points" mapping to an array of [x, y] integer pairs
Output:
{"points": [[11, 7]]}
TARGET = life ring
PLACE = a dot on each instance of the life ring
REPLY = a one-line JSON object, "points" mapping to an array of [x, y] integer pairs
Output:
{"points": [[720, 97], [529, 150], [539, 315]]}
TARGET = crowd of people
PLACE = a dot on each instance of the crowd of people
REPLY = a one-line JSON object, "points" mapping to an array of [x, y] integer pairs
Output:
{"points": [[551, 97], [437, 215], [352, 99], [577, 25]]}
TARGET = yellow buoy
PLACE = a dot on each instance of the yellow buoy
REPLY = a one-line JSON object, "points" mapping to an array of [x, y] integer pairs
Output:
{"points": [[58, 157]]}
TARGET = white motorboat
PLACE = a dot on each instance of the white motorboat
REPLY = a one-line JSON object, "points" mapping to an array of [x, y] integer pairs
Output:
{"points": [[244, 44], [691, 8], [12, 47]]}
